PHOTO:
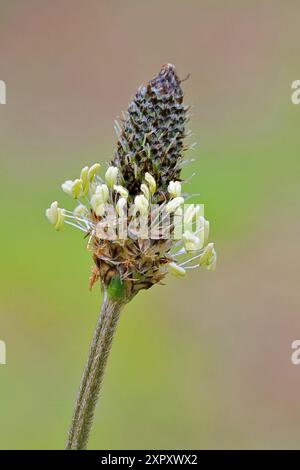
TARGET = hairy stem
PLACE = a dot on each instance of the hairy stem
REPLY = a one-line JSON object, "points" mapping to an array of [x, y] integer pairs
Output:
{"points": [[90, 385]]}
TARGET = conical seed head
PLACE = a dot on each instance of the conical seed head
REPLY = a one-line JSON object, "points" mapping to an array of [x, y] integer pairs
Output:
{"points": [[152, 134]]}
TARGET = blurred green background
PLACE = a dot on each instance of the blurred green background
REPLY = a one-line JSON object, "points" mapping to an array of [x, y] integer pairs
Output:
{"points": [[202, 362]]}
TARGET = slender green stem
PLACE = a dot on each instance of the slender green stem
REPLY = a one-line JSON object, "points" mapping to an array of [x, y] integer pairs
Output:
{"points": [[90, 386]]}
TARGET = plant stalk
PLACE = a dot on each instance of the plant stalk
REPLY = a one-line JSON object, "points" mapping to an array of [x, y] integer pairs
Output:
{"points": [[91, 381]]}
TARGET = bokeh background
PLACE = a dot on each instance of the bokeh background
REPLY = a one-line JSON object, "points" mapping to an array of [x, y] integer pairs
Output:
{"points": [[200, 363]]}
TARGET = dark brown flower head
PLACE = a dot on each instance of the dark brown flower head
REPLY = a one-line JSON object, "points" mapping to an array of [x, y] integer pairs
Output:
{"points": [[151, 138], [141, 191]]}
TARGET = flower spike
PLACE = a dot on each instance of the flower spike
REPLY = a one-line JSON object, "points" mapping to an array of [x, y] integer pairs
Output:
{"points": [[143, 180]]}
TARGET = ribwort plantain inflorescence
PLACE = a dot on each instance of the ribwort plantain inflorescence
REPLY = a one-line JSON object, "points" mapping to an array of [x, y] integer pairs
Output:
{"points": [[142, 189]]}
